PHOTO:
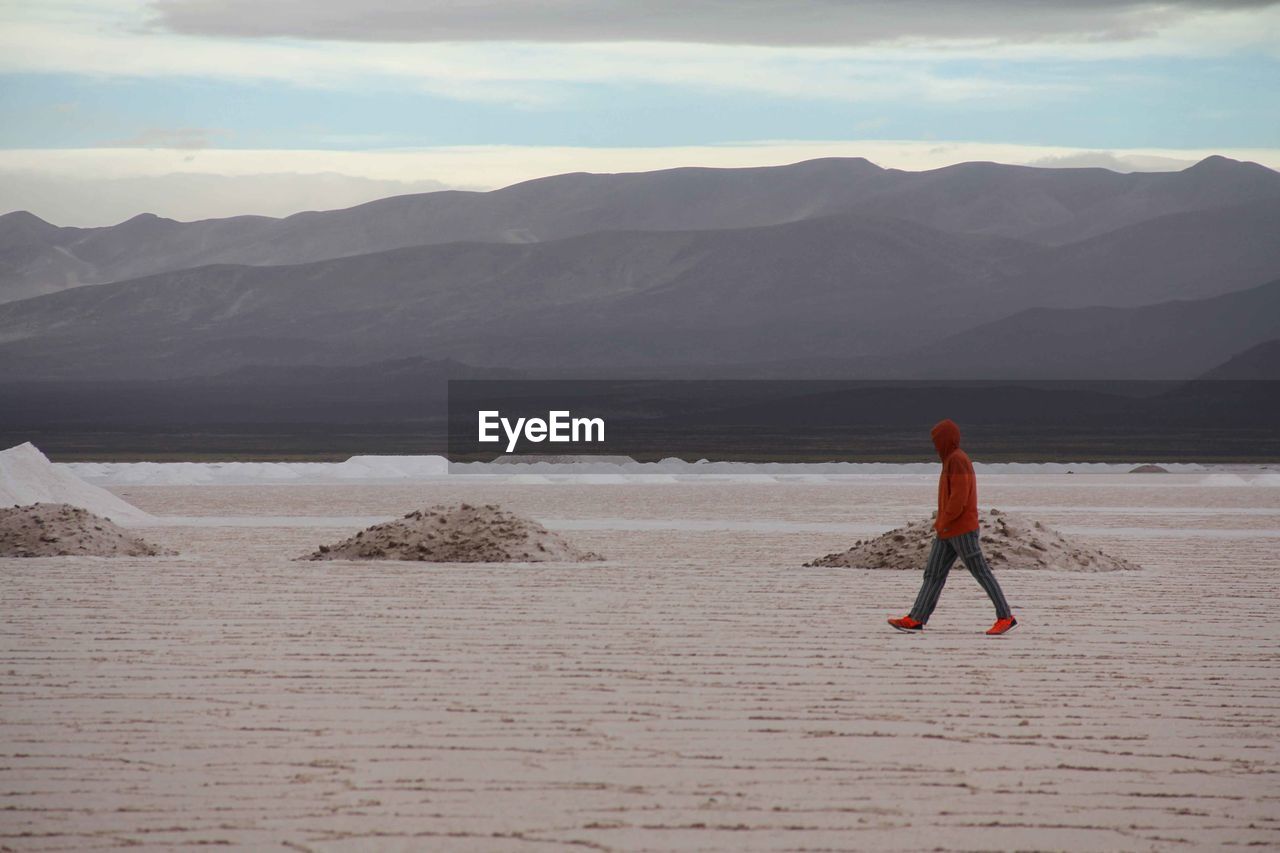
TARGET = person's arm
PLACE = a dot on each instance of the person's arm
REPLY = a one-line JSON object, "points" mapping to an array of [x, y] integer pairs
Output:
{"points": [[957, 493]]}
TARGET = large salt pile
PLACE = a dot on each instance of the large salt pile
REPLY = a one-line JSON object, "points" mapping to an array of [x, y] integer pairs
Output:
{"points": [[459, 533], [59, 530], [28, 477], [1009, 542]]}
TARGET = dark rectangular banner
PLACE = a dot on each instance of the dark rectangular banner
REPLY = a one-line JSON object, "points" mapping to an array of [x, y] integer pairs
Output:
{"points": [[780, 420]]}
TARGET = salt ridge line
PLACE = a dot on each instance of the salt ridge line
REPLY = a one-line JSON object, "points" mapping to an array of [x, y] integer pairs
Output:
{"points": [[399, 468]]}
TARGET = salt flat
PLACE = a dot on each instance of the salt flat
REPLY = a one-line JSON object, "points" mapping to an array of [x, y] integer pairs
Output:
{"points": [[698, 691]]}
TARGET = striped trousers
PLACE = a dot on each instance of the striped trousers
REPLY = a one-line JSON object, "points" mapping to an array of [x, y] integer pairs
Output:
{"points": [[941, 559]]}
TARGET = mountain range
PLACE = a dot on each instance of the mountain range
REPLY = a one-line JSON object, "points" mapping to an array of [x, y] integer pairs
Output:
{"points": [[827, 267]]}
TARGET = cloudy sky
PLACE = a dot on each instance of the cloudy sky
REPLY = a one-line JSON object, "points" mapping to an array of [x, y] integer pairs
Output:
{"points": [[193, 108]]}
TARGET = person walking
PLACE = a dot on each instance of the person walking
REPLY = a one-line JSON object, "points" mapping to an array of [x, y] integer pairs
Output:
{"points": [[956, 526]]}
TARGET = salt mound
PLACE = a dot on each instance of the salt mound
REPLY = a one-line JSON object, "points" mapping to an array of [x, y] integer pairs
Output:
{"points": [[389, 467], [1149, 469], [59, 530], [1225, 479], [459, 533], [1008, 541], [560, 459], [28, 477]]}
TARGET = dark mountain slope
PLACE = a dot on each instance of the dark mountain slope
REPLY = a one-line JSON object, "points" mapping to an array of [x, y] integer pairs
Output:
{"points": [[847, 283], [1257, 363], [1180, 256], [846, 288], [1171, 340]]}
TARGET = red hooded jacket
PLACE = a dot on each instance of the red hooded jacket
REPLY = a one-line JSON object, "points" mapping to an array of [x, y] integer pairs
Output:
{"points": [[957, 487]]}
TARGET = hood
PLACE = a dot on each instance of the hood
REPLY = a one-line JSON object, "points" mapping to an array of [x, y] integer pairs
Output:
{"points": [[946, 438]]}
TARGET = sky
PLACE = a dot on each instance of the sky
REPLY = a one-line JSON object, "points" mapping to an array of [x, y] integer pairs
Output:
{"points": [[198, 108]]}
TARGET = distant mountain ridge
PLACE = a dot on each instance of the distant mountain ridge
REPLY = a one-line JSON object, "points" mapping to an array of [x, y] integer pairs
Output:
{"points": [[1047, 206], [870, 292]]}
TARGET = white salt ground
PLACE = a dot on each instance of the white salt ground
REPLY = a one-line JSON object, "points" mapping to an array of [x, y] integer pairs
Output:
{"points": [[696, 692]]}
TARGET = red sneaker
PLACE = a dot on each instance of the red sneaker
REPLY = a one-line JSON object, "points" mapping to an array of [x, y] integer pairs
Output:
{"points": [[1003, 626], [907, 625]]}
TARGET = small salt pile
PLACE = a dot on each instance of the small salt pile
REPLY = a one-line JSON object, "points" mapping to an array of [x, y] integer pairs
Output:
{"points": [[459, 533], [1009, 541], [60, 530]]}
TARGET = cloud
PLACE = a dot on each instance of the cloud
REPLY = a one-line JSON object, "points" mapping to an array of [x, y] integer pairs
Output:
{"points": [[1114, 162], [180, 138], [84, 200], [530, 75], [101, 186], [754, 22], [868, 52]]}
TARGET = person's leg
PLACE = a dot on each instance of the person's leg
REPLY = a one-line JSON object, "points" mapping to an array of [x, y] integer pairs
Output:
{"points": [[941, 558], [971, 553]]}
